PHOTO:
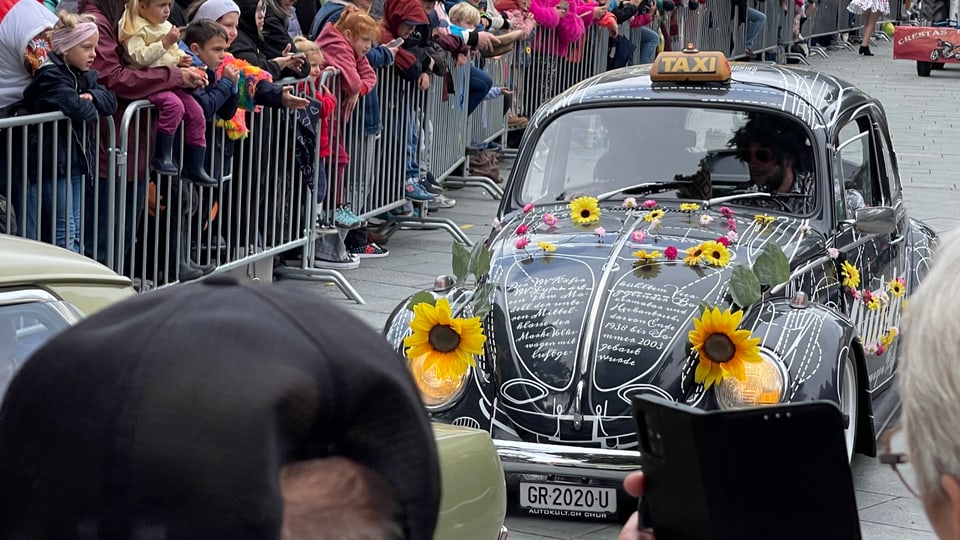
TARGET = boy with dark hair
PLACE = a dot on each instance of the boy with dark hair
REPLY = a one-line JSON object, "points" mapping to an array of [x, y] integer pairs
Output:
{"points": [[206, 42]]}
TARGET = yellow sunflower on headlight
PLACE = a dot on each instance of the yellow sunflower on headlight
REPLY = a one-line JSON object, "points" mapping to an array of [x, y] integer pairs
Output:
{"points": [[448, 344], [584, 210], [721, 347]]}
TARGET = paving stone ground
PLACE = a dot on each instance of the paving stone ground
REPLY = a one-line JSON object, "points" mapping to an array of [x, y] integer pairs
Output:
{"points": [[925, 129]]}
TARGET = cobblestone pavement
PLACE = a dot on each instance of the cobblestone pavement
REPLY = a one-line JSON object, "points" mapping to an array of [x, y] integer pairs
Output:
{"points": [[924, 128]]}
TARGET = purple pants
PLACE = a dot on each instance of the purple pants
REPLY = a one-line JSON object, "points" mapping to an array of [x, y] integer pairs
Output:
{"points": [[176, 105]]}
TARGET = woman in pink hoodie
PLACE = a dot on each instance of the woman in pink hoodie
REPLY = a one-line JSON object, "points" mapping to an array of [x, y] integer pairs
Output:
{"points": [[345, 46]]}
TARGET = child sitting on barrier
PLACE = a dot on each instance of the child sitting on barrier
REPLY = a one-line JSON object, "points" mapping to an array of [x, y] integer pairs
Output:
{"points": [[151, 41], [345, 45], [66, 83]]}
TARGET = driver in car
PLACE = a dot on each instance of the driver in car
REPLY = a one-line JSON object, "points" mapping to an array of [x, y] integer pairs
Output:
{"points": [[780, 162]]}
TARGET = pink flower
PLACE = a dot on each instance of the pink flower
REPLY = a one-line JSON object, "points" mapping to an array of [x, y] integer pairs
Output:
{"points": [[638, 236], [649, 204], [726, 212], [522, 229], [600, 231], [495, 224], [833, 252], [670, 253], [630, 202], [655, 224], [527, 208], [805, 229], [880, 349], [867, 295], [731, 224], [549, 219], [706, 219], [522, 242], [732, 236], [854, 293], [724, 240]]}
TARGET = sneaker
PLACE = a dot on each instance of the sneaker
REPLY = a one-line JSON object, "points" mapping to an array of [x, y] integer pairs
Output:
{"points": [[370, 250], [430, 188], [351, 262], [414, 191], [346, 219], [445, 202]]}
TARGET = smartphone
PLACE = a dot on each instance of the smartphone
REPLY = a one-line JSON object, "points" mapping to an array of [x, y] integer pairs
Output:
{"points": [[298, 55], [395, 43], [748, 474]]}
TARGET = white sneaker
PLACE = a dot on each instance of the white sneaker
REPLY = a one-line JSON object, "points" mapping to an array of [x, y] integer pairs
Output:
{"points": [[350, 263], [445, 202]]}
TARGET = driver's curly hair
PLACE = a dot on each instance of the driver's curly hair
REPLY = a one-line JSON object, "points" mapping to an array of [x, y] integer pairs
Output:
{"points": [[783, 135]]}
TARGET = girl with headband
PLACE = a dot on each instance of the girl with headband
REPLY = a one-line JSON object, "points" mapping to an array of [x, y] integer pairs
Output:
{"points": [[66, 83], [151, 41]]}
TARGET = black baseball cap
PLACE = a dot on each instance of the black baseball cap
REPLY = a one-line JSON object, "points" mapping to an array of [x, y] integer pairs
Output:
{"points": [[169, 416]]}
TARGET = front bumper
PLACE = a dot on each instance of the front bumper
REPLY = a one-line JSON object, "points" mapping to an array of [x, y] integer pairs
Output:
{"points": [[598, 464]]}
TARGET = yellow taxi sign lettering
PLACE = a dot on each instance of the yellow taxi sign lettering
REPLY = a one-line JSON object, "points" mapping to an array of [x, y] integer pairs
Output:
{"points": [[690, 65]]}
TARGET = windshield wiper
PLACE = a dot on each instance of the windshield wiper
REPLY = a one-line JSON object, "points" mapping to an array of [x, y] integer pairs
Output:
{"points": [[754, 195], [646, 187]]}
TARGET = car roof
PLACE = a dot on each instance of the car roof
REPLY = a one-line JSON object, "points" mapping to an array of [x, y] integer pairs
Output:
{"points": [[817, 99], [25, 262]]}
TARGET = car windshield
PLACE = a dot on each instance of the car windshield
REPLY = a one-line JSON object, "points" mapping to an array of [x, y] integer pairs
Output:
{"points": [[24, 327], [758, 159]]}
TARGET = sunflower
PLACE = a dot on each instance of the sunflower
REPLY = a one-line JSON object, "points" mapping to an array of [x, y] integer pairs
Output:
{"points": [[643, 256], [689, 207], [715, 253], [763, 219], [584, 210], [851, 276], [897, 287], [546, 246], [887, 338], [693, 256], [448, 344], [721, 348], [873, 304], [654, 214]]}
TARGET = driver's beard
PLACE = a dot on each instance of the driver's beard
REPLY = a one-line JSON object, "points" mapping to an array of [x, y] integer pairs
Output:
{"points": [[773, 181]]}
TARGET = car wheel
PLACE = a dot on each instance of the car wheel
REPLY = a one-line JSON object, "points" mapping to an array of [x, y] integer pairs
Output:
{"points": [[848, 402], [923, 68]]}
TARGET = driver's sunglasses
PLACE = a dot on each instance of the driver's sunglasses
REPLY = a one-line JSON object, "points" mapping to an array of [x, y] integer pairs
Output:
{"points": [[762, 155], [893, 452]]}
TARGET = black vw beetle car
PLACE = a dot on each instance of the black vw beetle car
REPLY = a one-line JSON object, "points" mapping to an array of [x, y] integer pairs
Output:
{"points": [[723, 235]]}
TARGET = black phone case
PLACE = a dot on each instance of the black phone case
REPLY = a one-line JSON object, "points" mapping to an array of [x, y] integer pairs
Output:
{"points": [[761, 473]]}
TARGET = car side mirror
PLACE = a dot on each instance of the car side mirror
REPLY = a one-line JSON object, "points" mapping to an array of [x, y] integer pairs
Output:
{"points": [[876, 220]]}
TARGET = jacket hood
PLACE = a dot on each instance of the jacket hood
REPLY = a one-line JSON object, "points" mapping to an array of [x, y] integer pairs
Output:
{"points": [[399, 11], [581, 328], [248, 19]]}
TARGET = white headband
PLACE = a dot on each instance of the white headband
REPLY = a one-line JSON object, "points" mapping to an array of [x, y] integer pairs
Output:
{"points": [[212, 10]]}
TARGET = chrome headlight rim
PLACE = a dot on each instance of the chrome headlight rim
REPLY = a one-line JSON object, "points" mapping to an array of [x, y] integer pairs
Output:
{"points": [[769, 357], [454, 398]]}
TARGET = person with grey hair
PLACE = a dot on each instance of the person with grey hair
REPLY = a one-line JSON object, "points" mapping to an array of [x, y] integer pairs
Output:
{"points": [[926, 453]]}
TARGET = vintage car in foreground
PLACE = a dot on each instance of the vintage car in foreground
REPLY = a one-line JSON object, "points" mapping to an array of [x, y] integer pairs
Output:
{"points": [[719, 235], [44, 289]]}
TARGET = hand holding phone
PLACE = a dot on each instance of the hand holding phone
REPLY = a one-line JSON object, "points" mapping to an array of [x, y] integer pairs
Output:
{"points": [[298, 55], [395, 43]]}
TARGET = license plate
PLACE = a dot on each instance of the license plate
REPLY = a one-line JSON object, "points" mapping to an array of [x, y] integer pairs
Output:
{"points": [[566, 500]]}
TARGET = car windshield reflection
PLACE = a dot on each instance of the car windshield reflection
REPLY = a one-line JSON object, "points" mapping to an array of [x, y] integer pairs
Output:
{"points": [[674, 152]]}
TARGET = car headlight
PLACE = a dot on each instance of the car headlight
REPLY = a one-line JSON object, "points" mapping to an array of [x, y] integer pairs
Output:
{"points": [[765, 384], [437, 392]]}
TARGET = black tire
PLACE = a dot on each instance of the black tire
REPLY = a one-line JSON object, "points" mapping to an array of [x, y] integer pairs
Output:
{"points": [[849, 400], [938, 66], [923, 68]]}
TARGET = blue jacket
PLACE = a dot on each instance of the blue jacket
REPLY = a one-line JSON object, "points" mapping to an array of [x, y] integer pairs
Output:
{"points": [[57, 87], [219, 97]]}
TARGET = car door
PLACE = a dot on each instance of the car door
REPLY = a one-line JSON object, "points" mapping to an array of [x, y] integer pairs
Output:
{"points": [[862, 180]]}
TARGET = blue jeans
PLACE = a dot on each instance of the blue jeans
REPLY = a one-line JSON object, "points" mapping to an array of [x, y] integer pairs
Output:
{"points": [[40, 197], [649, 40], [411, 164], [480, 85], [755, 22]]}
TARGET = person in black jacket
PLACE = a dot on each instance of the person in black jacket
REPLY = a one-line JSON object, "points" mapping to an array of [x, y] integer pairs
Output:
{"points": [[66, 84], [250, 45]]}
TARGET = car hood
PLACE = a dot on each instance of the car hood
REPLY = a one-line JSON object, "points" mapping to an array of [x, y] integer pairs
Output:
{"points": [[28, 261], [581, 329]]}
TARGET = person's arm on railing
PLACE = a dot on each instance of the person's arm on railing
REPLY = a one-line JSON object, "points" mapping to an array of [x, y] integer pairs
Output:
{"points": [[545, 15], [51, 91], [103, 99]]}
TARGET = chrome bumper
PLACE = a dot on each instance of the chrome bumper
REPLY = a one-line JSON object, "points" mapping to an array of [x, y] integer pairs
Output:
{"points": [[555, 459]]}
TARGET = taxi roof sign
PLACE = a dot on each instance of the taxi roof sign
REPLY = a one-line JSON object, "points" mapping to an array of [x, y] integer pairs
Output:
{"points": [[690, 65]]}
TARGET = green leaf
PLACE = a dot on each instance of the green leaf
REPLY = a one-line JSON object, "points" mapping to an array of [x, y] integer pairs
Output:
{"points": [[461, 261], [480, 262], [481, 300], [772, 267], [421, 297], [744, 286]]}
